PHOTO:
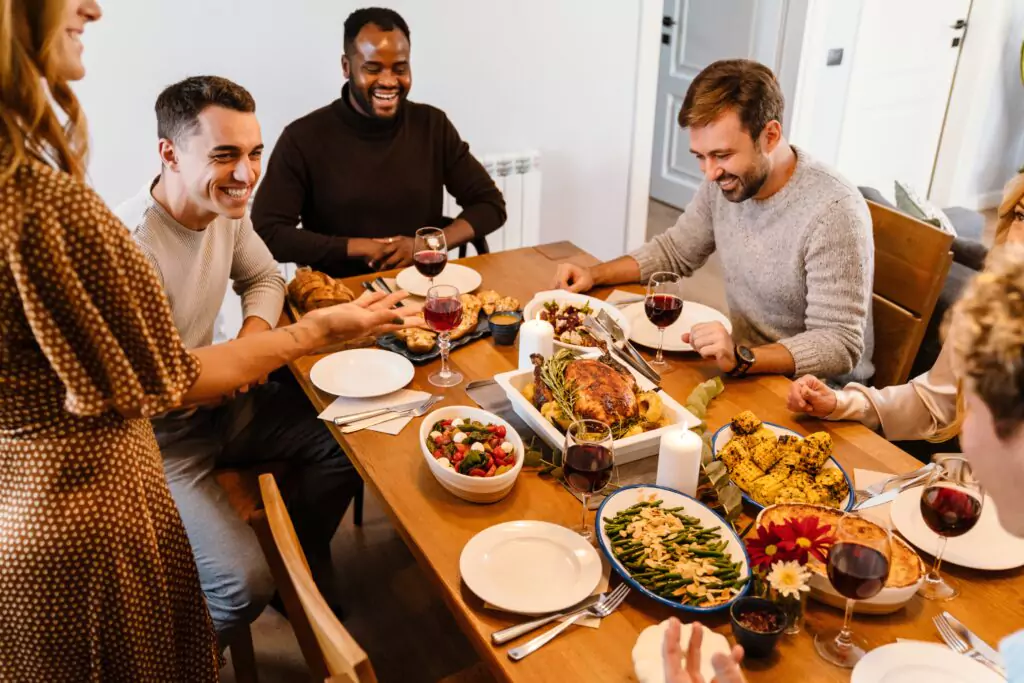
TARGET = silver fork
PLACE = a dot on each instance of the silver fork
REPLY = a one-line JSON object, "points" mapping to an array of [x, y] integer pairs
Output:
{"points": [[960, 646], [370, 422], [600, 610]]}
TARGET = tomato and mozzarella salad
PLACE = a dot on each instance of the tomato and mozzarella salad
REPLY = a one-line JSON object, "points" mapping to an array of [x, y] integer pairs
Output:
{"points": [[471, 448]]}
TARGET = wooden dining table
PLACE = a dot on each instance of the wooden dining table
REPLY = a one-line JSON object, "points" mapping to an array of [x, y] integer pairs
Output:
{"points": [[436, 525]]}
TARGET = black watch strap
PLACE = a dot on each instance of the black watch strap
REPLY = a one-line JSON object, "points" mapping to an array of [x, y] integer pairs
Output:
{"points": [[743, 362]]}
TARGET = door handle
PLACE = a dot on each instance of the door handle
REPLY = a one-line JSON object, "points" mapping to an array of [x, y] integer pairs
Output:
{"points": [[960, 23]]}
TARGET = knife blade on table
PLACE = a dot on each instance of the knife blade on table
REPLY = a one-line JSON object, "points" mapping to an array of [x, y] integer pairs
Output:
{"points": [[891, 495], [362, 415], [986, 650]]}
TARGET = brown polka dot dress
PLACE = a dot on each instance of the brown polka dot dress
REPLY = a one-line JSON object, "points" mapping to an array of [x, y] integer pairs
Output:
{"points": [[97, 579]]}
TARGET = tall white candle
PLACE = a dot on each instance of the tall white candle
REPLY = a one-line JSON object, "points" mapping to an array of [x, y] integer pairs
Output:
{"points": [[679, 460], [535, 336]]}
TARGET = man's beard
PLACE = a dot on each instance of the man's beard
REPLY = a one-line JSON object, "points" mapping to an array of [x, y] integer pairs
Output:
{"points": [[749, 184], [365, 101]]}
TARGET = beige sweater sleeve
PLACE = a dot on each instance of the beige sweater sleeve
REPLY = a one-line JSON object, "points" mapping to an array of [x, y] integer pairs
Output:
{"points": [[916, 410]]}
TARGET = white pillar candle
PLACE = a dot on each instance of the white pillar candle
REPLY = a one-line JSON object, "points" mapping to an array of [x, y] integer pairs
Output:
{"points": [[535, 336], [679, 460]]}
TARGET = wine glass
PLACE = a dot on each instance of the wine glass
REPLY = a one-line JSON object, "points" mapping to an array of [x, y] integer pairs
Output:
{"points": [[951, 505], [430, 252], [587, 463], [443, 313], [663, 306], [858, 566]]}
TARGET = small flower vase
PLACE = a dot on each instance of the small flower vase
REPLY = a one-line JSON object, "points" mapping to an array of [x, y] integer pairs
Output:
{"points": [[793, 608]]}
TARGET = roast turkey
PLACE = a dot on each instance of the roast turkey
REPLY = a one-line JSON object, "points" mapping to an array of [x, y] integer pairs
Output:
{"points": [[602, 392]]}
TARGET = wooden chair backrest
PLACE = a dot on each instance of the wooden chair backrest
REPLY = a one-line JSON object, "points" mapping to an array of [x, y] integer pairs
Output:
{"points": [[912, 259], [345, 660]]}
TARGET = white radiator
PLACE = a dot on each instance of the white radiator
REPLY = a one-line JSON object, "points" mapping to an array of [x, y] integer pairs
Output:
{"points": [[517, 175]]}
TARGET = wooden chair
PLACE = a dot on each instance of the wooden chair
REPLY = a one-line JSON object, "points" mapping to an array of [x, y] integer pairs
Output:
{"points": [[912, 259], [241, 488], [330, 652]]}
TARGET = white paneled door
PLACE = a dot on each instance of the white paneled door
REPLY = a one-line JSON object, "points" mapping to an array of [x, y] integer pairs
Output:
{"points": [[904, 62], [696, 33]]}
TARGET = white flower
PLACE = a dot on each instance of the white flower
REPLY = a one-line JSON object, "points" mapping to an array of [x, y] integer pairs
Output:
{"points": [[789, 578]]}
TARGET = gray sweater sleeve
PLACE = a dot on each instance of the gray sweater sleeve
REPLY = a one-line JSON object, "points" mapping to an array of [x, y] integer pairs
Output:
{"points": [[256, 277], [685, 246], [839, 253]]}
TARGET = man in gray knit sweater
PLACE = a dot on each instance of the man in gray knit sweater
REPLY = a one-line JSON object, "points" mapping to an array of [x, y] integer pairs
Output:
{"points": [[794, 237], [192, 223]]}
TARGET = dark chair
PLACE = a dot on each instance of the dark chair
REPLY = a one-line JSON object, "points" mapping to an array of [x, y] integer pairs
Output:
{"points": [[480, 244]]}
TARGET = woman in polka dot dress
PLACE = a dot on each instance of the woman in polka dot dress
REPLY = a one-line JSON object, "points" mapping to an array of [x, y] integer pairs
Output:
{"points": [[97, 580]]}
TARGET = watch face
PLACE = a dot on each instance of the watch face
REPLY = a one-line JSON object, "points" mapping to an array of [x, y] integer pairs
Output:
{"points": [[745, 354]]}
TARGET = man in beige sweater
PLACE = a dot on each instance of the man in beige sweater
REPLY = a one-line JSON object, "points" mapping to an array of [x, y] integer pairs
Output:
{"points": [[192, 223]]}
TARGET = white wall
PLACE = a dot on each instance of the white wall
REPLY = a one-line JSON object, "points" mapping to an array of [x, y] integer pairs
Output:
{"points": [[983, 142], [821, 90], [554, 75]]}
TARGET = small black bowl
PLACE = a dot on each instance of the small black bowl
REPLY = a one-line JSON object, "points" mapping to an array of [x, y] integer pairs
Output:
{"points": [[756, 643], [505, 334]]}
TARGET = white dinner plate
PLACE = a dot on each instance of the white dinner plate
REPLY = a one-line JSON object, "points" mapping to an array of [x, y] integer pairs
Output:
{"points": [[918, 662], [723, 435], [987, 546], [645, 333], [530, 567], [362, 373], [463, 278]]}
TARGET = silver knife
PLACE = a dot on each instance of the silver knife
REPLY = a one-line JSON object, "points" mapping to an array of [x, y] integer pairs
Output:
{"points": [[891, 495], [512, 632], [986, 650], [355, 417]]}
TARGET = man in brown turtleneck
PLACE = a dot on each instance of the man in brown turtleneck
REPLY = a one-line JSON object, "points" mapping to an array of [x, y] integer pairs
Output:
{"points": [[365, 172]]}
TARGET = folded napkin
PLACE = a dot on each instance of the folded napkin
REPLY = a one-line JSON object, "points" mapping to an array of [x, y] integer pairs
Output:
{"points": [[349, 406], [602, 587]]}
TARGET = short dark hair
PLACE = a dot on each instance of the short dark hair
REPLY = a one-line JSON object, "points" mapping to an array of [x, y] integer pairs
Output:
{"points": [[179, 105], [386, 19], [743, 85]]}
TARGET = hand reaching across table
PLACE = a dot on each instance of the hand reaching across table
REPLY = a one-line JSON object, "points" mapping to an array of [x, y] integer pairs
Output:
{"points": [[727, 667], [812, 396], [369, 315]]}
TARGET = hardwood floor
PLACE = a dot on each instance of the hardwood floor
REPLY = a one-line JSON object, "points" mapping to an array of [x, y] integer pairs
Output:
{"points": [[390, 609]]}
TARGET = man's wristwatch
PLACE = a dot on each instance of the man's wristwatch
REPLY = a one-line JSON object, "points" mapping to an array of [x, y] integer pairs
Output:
{"points": [[744, 359]]}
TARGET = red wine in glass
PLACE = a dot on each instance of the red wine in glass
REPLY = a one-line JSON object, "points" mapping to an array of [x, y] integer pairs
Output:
{"points": [[950, 511], [588, 467], [663, 309], [443, 314], [430, 263], [857, 572]]}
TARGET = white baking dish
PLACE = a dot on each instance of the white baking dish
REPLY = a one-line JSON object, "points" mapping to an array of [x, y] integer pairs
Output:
{"points": [[626, 450]]}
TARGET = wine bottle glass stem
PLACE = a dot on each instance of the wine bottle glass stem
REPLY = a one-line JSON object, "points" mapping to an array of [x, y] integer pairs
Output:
{"points": [[933, 575], [445, 345], [844, 640], [660, 358]]}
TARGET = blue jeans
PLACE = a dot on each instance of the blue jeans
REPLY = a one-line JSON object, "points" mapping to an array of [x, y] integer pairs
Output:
{"points": [[272, 422]]}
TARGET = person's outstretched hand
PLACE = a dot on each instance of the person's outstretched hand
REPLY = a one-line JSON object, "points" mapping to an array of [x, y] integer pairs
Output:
{"points": [[369, 315], [727, 667]]}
